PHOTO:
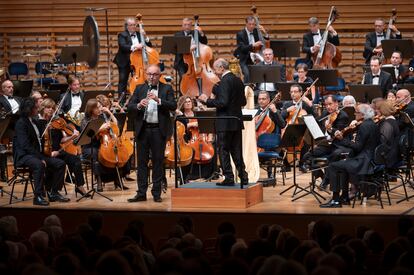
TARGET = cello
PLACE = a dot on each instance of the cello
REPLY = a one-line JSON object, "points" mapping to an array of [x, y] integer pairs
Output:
{"points": [[328, 56], [141, 59], [199, 77], [203, 150], [263, 123]]}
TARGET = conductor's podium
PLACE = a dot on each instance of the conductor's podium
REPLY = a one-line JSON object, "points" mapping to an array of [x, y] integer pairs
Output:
{"points": [[209, 195]]}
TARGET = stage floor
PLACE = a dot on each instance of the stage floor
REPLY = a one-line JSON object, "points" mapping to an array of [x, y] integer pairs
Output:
{"points": [[273, 202]]}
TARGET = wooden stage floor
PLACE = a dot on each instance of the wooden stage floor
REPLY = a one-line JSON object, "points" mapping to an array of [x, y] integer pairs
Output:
{"points": [[273, 202]]}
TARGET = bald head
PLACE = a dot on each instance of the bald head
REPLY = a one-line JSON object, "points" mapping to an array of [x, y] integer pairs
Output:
{"points": [[7, 88], [220, 66], [403, 95]]}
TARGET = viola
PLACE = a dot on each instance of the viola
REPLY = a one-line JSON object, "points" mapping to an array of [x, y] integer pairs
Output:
{"points": [[199, 77], [141, 59], [328, 55]]}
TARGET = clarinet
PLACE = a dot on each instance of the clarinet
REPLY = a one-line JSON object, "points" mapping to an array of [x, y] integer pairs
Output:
{"points": [[150, 88]]}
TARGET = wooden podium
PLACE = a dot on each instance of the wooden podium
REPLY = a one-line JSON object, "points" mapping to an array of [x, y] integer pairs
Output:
{"points": [[208, 195]]}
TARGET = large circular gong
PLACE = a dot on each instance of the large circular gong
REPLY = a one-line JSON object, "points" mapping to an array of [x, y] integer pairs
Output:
{"points": [[91, 39]]}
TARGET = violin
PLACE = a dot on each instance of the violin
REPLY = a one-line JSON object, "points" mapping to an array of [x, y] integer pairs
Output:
{"points": [[141, 59], [331, 120], [69, 147], [199, 77], [328, 55]]}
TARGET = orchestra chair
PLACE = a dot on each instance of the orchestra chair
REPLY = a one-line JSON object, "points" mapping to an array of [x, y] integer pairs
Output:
{"points": [[18, 68], [40, 69], [373, 185], [269, 158]]}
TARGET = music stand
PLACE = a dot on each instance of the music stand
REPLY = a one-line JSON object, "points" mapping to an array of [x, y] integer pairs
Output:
{"points": [[292, 138], [54, 95], [86, 138], [176, 45], [264, 73], [92, 94], [74, 54], [284, 89], [22, 88], [405, 46], [326, 77], [285, 48], [61, 87], [365, 93]]}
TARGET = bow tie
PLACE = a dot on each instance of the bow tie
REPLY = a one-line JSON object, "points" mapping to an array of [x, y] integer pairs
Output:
{"points": [[152, 87], [375, 75], [78, 94], [133, 35], [315, 33], [10, 97], [251, 33], [380, 35]]}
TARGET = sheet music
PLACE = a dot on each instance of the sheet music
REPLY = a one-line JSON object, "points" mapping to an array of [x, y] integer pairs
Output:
{"points": [[313, 127]]}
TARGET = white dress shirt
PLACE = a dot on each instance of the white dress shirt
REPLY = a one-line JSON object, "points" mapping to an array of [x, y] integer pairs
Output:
{"points": [[151, 112], [76, 104], [13, 103]]}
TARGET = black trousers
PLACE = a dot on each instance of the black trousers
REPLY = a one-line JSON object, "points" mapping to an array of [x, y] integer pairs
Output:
{"points": [[75, 167], [341, 173], [51, 175], [123, 73], [245, 70], [229, 143], [150, 140]]}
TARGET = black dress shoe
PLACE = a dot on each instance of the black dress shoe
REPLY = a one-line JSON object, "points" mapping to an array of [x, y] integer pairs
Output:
{"points": [[226, 182], [137, 198], [244, 181], [325, 183], [39, 200], [56, 196], [331, 204], [158, 199], [345, 201]]}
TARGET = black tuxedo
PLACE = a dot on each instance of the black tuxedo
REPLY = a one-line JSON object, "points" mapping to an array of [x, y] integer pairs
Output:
{"points": [[179, 64], [371, 43], [27, 152], [67, 103], [5, 105], [228, 102], [277, 119], [290, 103], [152, 137], [385, 81], [367, 139], [402, 75], [122, 58], [308, 43], [243, 51]]}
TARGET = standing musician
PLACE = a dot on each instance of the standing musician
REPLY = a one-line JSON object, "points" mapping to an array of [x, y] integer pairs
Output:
{"points": [[344, 171], [378, 76], [334, 120], [9, 104], [95, 110], [311, 39], [73, 100], [228, 101], [28, 152], [268, 57], [374, 39], [128, 41], [186, 30], [292, 106], [58, 137], [247, 42], [151, 105]]}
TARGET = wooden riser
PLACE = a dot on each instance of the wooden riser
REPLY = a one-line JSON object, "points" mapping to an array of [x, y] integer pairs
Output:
{"points": [[213, 197]]}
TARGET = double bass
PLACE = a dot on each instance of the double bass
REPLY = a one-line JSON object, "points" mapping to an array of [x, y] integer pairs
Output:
{"points": [[141, 59], [257, 55], [328, 56], [199, 77], [392, 20]]}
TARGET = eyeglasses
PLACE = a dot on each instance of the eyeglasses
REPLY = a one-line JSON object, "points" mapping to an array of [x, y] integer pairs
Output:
{"points": [[154, 74]]}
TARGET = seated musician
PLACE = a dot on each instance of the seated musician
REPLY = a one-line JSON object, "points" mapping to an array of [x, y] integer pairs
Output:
{"points": [[335, 120], [378, 76], [28, 152], [186, 30], [390, 132], [194, 170], [375, 103], [58, 137], [399, 74], [350, 170], [9, 105], [348, 101], [247, 42], [73, 100], [269, 59], [403, 96], [391, 96], [374, 39], [95, 110], [37, 96], [295, 106], [302, 77], [410, 78], [312, 38]]}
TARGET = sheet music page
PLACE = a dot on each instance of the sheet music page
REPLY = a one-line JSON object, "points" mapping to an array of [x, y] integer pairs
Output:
{"points": [[313, 127]]}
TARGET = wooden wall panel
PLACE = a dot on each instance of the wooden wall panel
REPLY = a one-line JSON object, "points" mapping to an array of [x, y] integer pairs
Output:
{"points": [[29, 25]]}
